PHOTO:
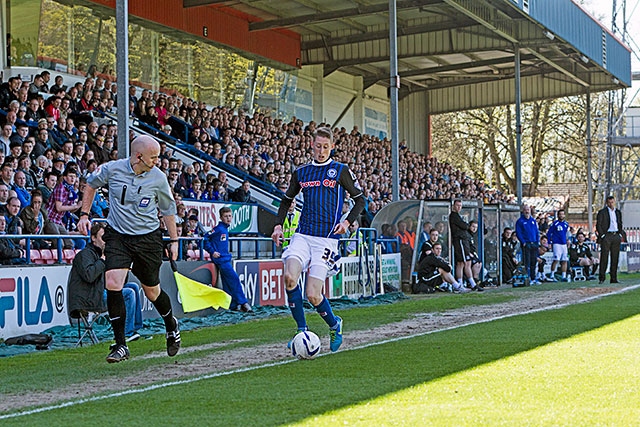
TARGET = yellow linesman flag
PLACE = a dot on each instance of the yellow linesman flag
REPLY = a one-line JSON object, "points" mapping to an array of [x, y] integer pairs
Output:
{"points": [[197, 296]]}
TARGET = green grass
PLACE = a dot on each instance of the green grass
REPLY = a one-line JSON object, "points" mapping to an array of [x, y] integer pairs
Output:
{"points": [[573, 366], [24, 372]]}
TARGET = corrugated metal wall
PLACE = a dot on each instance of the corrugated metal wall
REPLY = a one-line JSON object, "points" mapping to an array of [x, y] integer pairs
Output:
{"points": [[569, 22]]}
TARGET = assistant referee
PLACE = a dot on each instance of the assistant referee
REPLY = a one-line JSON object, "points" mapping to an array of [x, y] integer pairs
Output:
{"points": [[137, 192]]}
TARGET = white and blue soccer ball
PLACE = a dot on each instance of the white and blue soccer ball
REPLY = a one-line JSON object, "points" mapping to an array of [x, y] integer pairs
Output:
{"points": [[305, 345]]}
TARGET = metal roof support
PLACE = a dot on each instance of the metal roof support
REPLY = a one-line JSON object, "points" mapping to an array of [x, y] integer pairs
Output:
{"points": [[394, 87], [589, 177], [518, 171], [344, 111], [122, 72]]}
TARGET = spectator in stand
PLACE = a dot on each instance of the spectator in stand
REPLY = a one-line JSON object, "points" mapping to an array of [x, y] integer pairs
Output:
{"points": [[50, 179], [58, 85], [4, 197], [6, 174], [14, 223], [5, 138], [63, 201], [527, 233], [34, 219], [242, 194], [10, 254], [181, 214], [19, 186], [195, 192], [34, 111], [174, 182]]}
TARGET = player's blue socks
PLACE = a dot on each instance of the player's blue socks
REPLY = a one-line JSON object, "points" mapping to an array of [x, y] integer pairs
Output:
{"points": [[324, 310], [297, 308]]}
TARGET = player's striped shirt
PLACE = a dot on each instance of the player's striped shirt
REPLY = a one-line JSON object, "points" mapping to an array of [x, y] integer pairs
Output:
{"points": [[323, 186]]}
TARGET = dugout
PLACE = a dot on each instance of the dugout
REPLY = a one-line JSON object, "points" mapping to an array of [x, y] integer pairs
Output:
{"points": [[495, 217], [418, 212]]}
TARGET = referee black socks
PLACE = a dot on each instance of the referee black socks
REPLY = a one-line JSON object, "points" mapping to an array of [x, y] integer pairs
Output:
{"points": [[117, 314], [163, 305]]}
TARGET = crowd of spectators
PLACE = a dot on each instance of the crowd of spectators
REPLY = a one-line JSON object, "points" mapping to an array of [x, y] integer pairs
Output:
{"points": [[50, 133]]}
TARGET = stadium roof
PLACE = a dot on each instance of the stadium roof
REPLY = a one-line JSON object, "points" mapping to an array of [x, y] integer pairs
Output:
{"points": [[459, 52]]}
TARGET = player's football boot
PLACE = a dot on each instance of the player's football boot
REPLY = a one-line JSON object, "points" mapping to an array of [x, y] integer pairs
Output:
{"points": [[335, 335]]}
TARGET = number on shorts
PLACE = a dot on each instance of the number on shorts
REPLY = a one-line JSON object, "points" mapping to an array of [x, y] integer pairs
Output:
{"points": [[329, 257]]}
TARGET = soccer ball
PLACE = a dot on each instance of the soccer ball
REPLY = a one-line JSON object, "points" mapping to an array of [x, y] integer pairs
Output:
{"points": [[305, 345]]}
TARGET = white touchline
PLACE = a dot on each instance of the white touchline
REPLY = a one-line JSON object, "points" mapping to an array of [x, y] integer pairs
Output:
{"points": [[284, 362]]}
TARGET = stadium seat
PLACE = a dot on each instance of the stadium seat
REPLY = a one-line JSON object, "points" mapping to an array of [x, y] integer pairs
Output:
{"points": [[68, 255], [35, 257], [207, 256], [47, 256], [191, 255]]}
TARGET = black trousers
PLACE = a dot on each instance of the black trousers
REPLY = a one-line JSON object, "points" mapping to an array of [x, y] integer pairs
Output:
{"points": [[610, 244]]}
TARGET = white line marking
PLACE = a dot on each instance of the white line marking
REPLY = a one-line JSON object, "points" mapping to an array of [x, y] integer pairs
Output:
{"points": [[287, 361]]}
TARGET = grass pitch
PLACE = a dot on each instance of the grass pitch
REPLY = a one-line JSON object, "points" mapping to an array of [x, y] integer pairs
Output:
{"points": [[577, 365]]}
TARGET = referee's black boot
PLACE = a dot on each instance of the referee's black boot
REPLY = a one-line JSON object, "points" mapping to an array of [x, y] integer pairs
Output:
{"points": [[118, 353], [173, 340]]}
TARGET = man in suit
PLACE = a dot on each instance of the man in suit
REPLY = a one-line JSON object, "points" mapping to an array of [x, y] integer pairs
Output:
{"points": [[610, 235]]}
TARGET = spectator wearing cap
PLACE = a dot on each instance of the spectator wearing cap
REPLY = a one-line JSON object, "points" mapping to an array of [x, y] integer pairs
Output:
{"points": [[58, 165]]}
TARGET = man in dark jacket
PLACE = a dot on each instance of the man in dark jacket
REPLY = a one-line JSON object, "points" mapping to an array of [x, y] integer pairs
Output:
{"points": [[433, 271], [243, 193], [460, 238], [9, 252], [86, 279], [610, 235]]}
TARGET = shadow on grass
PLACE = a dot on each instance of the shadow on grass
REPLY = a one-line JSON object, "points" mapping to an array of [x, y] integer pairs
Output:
{"points": [[296, 391]]}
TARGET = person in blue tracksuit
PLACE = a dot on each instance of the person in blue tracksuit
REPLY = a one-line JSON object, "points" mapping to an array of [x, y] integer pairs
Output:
{"points": [[528, 235], [216, 242], [557, 235]]}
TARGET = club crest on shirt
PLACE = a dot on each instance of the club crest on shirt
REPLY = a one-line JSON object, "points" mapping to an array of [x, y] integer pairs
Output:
{"points": [[223, 237], [332, 173]]}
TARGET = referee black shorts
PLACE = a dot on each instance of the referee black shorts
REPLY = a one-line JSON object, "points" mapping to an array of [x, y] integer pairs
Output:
{"points": [[461, 250], [142, 254]]}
